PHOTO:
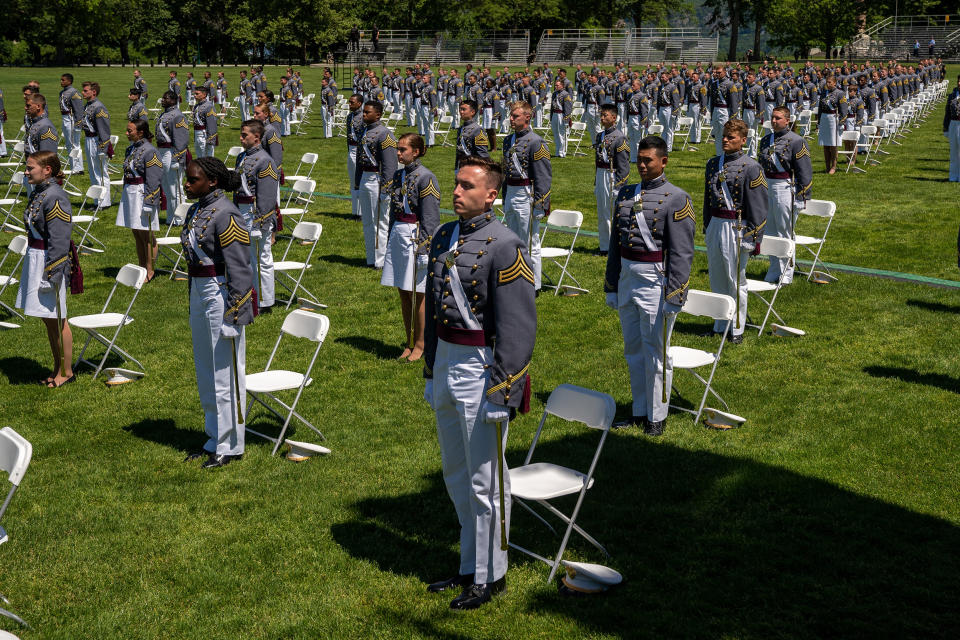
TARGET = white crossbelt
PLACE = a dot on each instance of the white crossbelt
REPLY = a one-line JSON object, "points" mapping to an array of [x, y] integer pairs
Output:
{"points": [[459, 296], [642, 223], [727, 198], [773, 154]]}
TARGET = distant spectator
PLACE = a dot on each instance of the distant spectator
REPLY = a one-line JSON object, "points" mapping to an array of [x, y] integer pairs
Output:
{"points": [[355, 38], [931, 45], [375, 37], [916, 49]]}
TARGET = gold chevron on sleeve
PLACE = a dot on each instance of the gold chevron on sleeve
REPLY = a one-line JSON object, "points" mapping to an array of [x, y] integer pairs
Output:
{"points": [[388, 142], [803, 152], [234, 233], [481, 138], [519, 269], [57, 212], [182, 124], [48, 135], [542, 153], [623, 146], [269, 171], [759, 181], [102, 114], [154, 162], [429, 190], [686, 212]]}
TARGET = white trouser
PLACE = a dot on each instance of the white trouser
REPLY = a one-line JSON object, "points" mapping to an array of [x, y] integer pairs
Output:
{"points": [[750, 118], [71, 140], [213, 360], [779, 225], [792, 106], [327, 117], [423, 124], [170, 181], [605, 194], [591, 118], [351, 172], [429, 135], [634, 134], [468, 453], [454, 109], [953, 135], [487, 118], [374, 214], [504, 112], [693, 110], [96, 167], [665, 118], [519, 218], [3, 141], [559, 126], [408, 108], [622, 117], [639, 303], [768, 111], [261, 258], [721, 240], [397, 102], [243, 108], [284, 114], [719, 118], [200, 144]]}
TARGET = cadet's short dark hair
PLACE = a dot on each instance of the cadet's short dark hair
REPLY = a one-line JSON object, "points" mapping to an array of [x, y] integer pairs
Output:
{"points": [[268, 94], [357, 96], [133, 92], [93, 85], [36, 98], [472, 104], [733, 125], [200, 87], [416, 141], [170, 95], [783, 111], [255, 126], [376, 104], [653, 142], [68, 76], [608, 108], [492, 169]]}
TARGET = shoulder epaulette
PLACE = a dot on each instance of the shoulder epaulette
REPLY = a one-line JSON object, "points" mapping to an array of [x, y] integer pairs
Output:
{"points": [[234, 232], [269, 171], [57, 212]]}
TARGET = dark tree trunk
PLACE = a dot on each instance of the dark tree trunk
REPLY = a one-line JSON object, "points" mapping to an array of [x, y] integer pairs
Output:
{"points": [[124, 51], [734, 31], [756, 37]]}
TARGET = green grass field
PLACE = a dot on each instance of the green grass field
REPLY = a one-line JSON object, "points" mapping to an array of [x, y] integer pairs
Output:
{"points": [[833, 512]]}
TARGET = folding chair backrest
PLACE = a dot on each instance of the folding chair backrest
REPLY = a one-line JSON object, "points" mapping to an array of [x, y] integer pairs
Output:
{"points": [[306, 324], [868, 130], [132, 276], [776, 247], [15, 454], [655, 129], [18, 246], [446, 119], [96, 193], [579, 127], [850, 136], [308, 231], [309, 158], [304, 188], [594, 409], [822, 208], [713, 305], [685, 121], [566, 218], [181, 211], [233, 152]]}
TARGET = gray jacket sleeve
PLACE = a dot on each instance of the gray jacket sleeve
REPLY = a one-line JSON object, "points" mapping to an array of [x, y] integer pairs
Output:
{"points": [[802, 169], [76, 107], [57, 217], [102, 122], [388, 160], [233, 241], [47, 140], [621, 161], [541, 173], [210, 117], [268, 180], [428, 194], [152, 176], [681, 224], [180, 133], [754, 204]]}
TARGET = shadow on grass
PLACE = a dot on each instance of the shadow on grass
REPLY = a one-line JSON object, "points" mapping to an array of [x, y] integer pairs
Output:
{"points": [[710, 546], [934, 306], [940, 380], [378, 348], [19, 370], [109, 272], [925, 179], [341, 216], [345, 260], [165, 431]]}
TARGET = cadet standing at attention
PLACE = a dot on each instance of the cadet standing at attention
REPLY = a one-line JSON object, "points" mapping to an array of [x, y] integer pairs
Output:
{"points": [[647, 277], [612, 170], [354, 127], [96, 129], [173, 137], [414, 216], [833, 111], [734, 214], [561, 107], [951, 130], [42, 135], [204, 124], [376, 165], [140, 84], [142, 193], [71, 110], [217, 249], [479, 293], [174, 85], [526, 191], [137, 110], [471, 138]]}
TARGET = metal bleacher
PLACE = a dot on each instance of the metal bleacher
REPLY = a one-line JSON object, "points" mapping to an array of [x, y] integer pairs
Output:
{"points": [[408, 46], [894, 37], [634, 45]]}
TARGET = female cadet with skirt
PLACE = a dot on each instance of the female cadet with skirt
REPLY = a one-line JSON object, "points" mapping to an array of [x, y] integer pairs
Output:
{"points": [[414, 216], [142, 195]]}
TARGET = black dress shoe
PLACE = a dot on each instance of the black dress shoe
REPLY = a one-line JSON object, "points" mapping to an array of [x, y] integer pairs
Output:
{"points": [[632, 422], [449, 583], [477, 595], [732, 339], [196, 455], [264, 310], [216, 461], [710, 334], [655, 428]]}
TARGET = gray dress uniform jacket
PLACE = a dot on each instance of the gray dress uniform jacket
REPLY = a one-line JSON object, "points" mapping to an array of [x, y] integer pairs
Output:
{"points": [[471, 141], [422, 192], [612, 152], [71, 103], [719, 94], [755, 98], [96, 123], [50, 213], [273, 145], [259, 181], [205, 119], [748, 191], [42, 136], [172, 132], [141, 84], [561, 102], [793, 155], [667, 213], [377, 152], [497, 282], [137, 111], [526, 161], [225, 243], [174, 85], [142, 163]]}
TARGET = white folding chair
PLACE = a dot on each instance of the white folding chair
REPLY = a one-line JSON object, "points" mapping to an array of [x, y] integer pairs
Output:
{"points": [[865, 143], [565, 221], [803, 123], [655, 129], [782, 248], [824, 210], [132, 276], [393, 120], [717, 307], [68, 173], [541, 482], [232, 154], [684, 125], [850, 154], [305, 233], [301, 196], [16, 250], [575, 137], [442, 128], [94, 196], [15, 454], [706, 128], [17, 158], [263, 385], [876, 139], [308, 160], [168, 247], [10, 200]]}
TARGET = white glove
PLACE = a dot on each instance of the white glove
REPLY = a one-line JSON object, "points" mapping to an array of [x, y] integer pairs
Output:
{"points": [[44, 285], [493, 413], [671, 309], [228, 330], [538, 213], [428, 392], [612, 300]]}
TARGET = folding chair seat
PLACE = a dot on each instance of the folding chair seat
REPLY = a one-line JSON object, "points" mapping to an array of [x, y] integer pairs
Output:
{"points": [[11, 222], [301, 196], [441, 127], [93, 196], [15, 454], [850, 154], [263, 385], [68, 173], [655, 129], [232, 154], [16, 250], [717, 307], [541, 482], [289, 273], [684, 125], [130, 276], [575, 137], [561, 220], [168, 247], [308, 161], [576, 114], [824, 210], [17, 157], [782, 248]]}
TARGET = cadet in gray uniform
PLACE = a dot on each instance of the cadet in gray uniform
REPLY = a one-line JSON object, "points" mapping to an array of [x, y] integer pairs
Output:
{"points": [[561, 108], [471, 138], [647, 277], [414, 216], [754, 104], [172, 137], [270, 141], [328, 100], [142, 193], [376, 165], [612, 170], [480, 293], [217, 249], [96, 129], [833, 111], [696, 100], [137, 110], [191, 86], [638, 110], [140, 84], [245, 94], [720, 105], [951, 130], [354, 133], [734, 211], [46, 266], [71, 110], [668, 105], [42, 135], [174, 85], [526, 191], [256, 197], [204, 124], [786, 164]]}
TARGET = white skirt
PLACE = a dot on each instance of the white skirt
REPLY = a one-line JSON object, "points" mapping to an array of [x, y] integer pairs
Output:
{"points": [[828, 136], [34, 301], [133, 214], [398, 263]]}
